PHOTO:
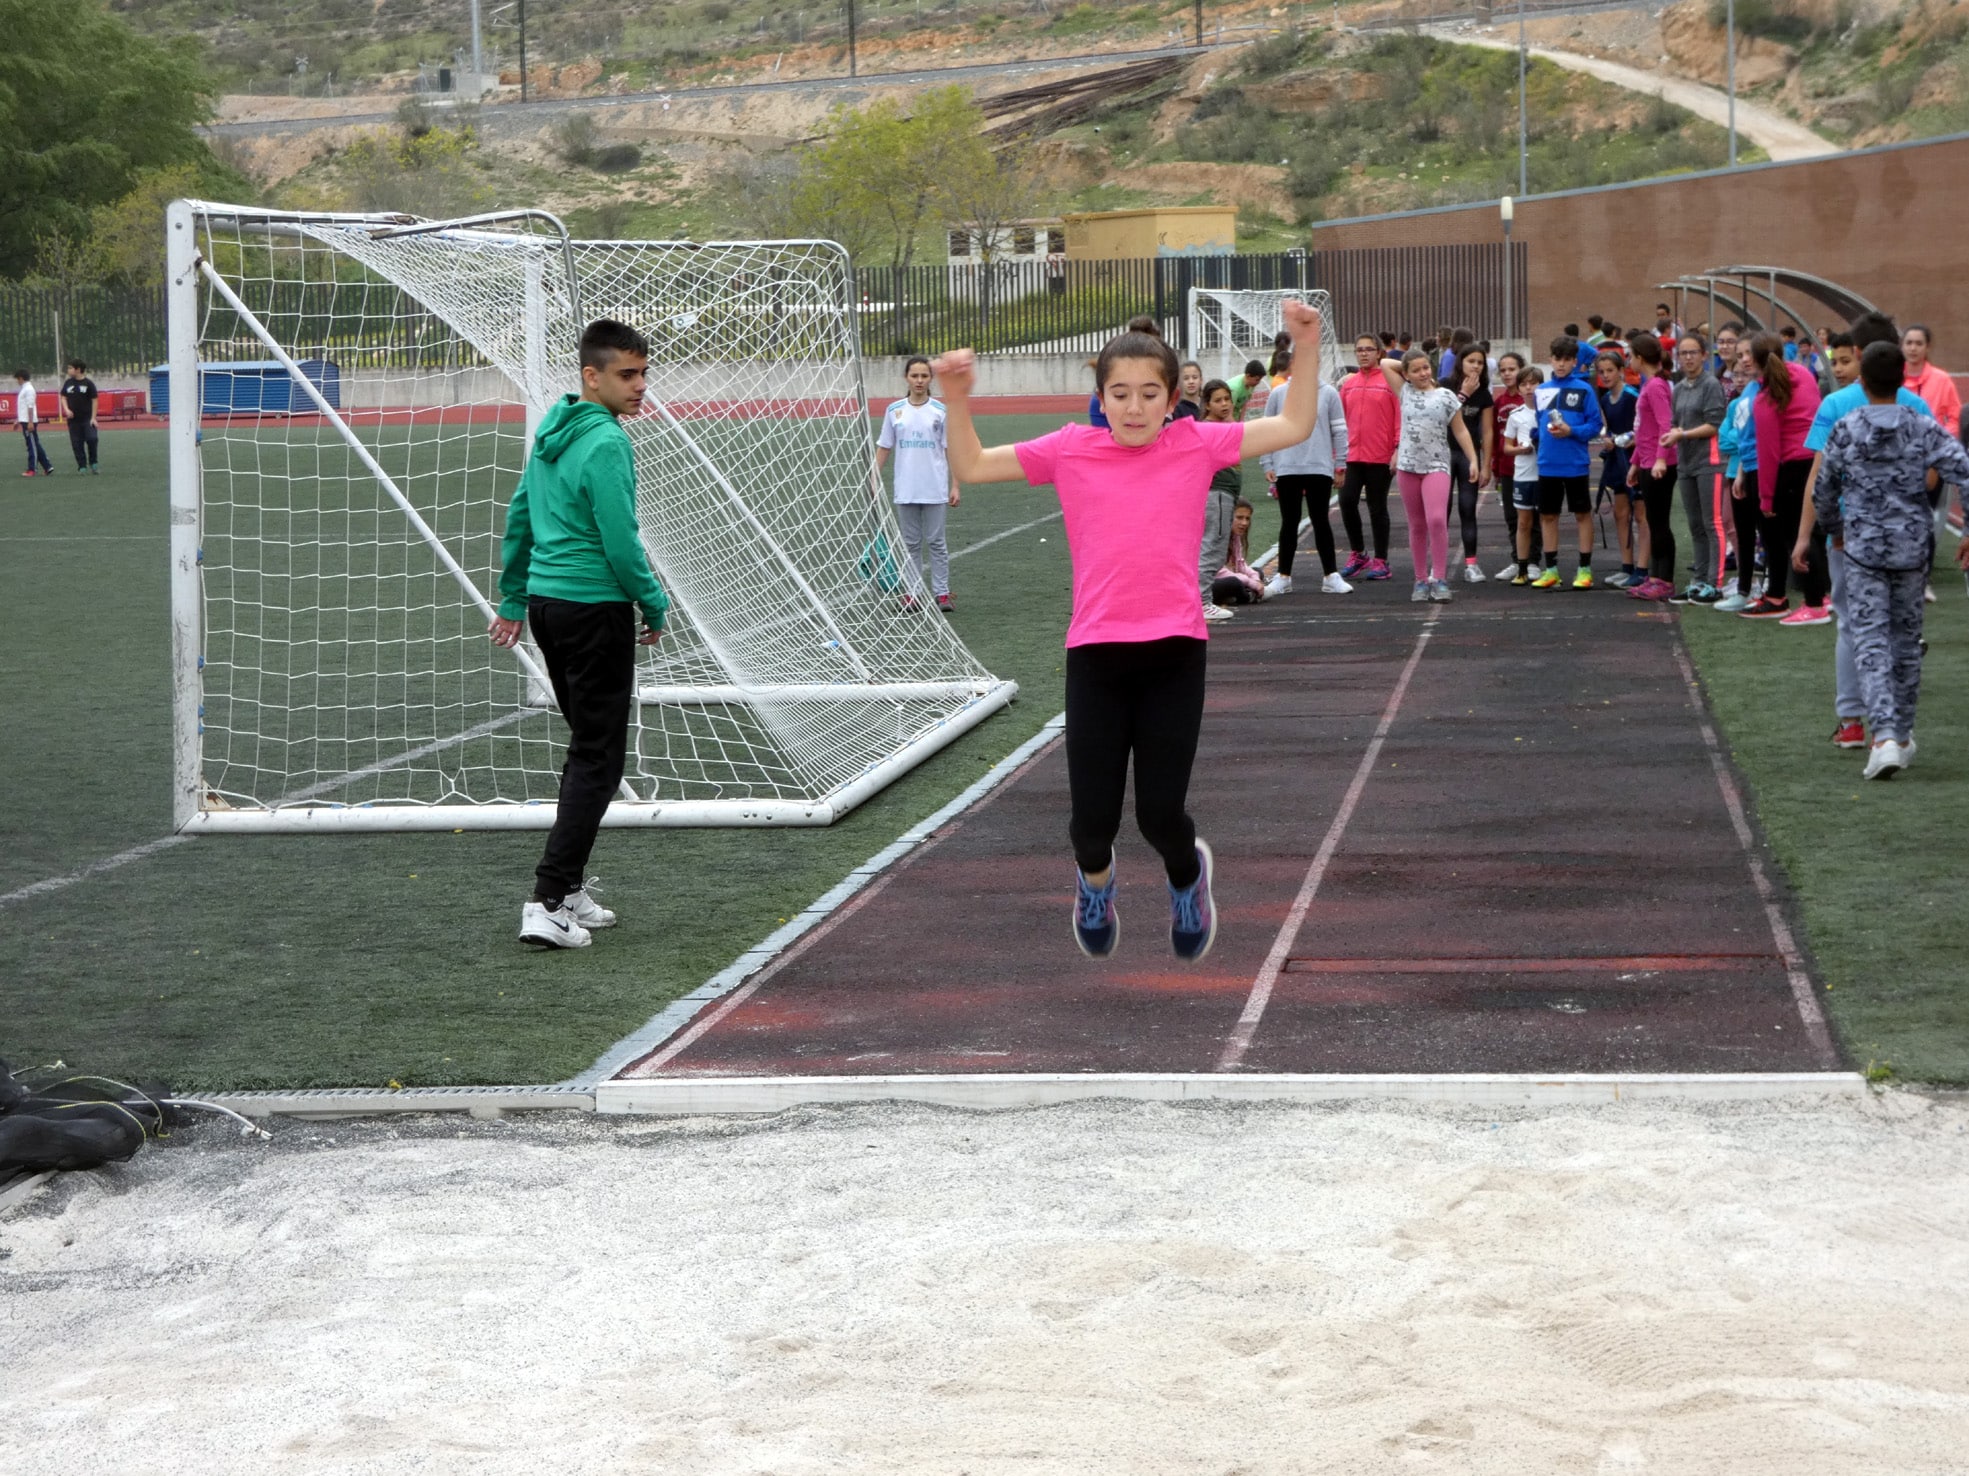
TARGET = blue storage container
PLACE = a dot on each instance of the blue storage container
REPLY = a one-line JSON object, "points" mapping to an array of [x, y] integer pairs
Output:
{"points": [[252, 388]]}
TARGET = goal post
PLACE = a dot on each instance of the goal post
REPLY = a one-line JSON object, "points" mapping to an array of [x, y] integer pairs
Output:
{"points": [[351, 402], [1229, 327]]}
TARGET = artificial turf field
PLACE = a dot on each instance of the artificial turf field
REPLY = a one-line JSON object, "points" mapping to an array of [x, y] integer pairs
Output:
{"points": [[241, 963]]}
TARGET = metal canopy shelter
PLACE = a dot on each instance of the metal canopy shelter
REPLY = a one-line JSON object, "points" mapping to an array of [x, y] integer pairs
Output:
{"points": [[1764, 282]]}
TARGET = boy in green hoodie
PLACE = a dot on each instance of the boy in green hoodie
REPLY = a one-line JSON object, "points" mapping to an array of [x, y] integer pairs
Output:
{"points": [[573, 564]]}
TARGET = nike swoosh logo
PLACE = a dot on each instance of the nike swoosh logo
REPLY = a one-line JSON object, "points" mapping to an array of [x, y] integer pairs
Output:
{"points": [[558, 923]]}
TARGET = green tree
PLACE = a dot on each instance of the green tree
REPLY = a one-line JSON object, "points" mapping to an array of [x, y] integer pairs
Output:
{"points": [[86, 106]]}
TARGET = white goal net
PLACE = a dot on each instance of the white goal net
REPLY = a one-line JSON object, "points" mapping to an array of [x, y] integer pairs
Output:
{"points": [[352, 400], [1231, 327]]}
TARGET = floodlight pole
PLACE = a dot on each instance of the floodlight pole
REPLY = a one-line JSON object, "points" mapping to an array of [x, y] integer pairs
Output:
{"points": [[478, 47], [1730, 22], [522, 4], [1523, 187], [1504, 210], [851, 38]]}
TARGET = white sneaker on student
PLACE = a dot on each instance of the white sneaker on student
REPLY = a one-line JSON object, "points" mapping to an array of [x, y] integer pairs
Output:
{"points": [[1217, 612], [1473, 575], [551, 927], [584, 909], [1278, 584], [1509, 571], [1886, 760], [1333, 584]]}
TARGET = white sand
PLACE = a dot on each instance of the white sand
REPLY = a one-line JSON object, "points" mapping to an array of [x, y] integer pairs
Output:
{"points": [[1100, 1288]]}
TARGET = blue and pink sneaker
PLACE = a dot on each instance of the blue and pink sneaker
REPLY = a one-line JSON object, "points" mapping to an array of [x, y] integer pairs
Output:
{"points": [[1193, 910], [1096, 927]]}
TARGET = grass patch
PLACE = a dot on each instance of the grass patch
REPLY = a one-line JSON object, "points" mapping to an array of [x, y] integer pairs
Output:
{"points": [[249, 962], [1877, 866]]}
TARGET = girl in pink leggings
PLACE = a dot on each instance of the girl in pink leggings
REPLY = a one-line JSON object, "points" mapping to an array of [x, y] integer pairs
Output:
{"points": [[1431, 415]]}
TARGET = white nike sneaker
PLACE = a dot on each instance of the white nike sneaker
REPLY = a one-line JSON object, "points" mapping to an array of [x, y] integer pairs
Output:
{"points": [[1886, 760], [1472, 574], [1278, 584], [1333, 584], [551, 927], [584, 909]]}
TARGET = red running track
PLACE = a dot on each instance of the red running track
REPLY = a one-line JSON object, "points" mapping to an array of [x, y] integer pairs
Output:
{"points": [[1540, 871]]}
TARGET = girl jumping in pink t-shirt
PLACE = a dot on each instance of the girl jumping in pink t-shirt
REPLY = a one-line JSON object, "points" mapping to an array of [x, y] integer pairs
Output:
{"points": [[1133, 495]]}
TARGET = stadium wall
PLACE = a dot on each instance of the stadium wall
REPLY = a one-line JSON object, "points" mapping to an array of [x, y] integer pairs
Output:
{"points": [[1881, 222]]}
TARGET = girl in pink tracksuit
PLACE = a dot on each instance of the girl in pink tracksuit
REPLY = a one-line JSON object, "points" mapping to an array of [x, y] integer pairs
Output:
{"points": [[1651, 471]]}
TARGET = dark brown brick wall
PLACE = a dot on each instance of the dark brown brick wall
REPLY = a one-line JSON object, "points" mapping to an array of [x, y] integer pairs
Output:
{"points": [[1891, 224]]}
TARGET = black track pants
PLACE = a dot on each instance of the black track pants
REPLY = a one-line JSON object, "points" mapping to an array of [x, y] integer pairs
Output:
{"points": [[1315, 492], [1373, 479], [591, 660], [1658, 501], [1143, 698]]}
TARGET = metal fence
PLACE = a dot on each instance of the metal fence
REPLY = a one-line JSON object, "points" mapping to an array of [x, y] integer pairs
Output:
{"points": [[113, 330], [1026, 307]]}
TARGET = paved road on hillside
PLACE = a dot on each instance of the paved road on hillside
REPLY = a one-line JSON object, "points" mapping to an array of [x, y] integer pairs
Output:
{"points": [[1779, 136]]}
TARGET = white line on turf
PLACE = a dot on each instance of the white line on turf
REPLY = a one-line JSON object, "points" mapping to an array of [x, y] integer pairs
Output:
{"points": [[987, 542], [753, 967], [93, 869], [1261, 988], [84, 538], [1794, 962]]}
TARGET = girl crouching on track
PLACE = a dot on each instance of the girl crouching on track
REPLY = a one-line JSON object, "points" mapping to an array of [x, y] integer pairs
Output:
{"points": [[1133, 496]]}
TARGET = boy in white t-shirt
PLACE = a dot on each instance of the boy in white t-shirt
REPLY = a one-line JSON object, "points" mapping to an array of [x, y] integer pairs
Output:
{"points": [[914, 430], [27, 415]]}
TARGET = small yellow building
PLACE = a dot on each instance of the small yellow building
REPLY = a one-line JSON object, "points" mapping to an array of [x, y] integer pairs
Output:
{"points": [[1173, 230]]}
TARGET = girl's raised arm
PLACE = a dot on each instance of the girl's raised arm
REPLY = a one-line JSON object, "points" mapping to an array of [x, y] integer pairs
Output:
{"points": [[1298, 417], [1391, 370], [956, 372]]}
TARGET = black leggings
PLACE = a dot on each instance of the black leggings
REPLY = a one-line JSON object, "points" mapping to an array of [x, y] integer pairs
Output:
{"points": [[1372, 478], [1464, 480], [1316, 492], [1745, 521], [1658, 498], [1144, 698], [1781, 532]]}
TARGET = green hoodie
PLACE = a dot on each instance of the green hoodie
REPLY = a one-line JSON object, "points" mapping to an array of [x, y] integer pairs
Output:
{"points": [[571, 531]]}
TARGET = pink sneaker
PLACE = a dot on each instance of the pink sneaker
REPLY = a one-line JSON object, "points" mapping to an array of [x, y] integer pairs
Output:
{"points": [[1808, 615], [1355, 563], [1376, 569]]}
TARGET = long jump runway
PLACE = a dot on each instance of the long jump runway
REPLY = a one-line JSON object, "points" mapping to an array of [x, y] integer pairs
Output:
{"points": [[1492, 837]]}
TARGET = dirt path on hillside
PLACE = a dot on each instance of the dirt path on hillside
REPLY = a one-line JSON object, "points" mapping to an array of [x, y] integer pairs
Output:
{"points": [[1779, 136]]}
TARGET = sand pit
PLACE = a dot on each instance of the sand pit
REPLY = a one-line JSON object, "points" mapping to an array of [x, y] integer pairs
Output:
{"points": [[1099, 1288]]}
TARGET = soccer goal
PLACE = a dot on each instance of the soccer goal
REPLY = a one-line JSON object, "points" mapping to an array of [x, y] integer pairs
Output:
{"points": [[1230, 327], [351, 401]]}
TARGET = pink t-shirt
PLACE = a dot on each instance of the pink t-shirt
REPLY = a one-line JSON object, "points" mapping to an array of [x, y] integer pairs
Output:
{"points": [[1134, 517]]}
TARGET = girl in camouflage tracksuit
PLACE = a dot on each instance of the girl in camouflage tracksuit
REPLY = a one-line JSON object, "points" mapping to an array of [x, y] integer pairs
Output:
{"points": [[1872, 496]]}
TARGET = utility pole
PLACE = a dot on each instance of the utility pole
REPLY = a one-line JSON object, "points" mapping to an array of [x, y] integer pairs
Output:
{"points": [[1510, 324], [851, 38], [1199, 22], [1731, 21], [1523, 187], [478, 47]]}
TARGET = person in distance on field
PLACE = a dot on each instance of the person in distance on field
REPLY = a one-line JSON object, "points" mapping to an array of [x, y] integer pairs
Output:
{"points": [[27, 415], [913, 430], [573, 564], [79, 410]]}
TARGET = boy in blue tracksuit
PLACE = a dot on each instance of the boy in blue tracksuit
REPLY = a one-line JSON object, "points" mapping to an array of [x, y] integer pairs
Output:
{"points": [[1568, 420]]}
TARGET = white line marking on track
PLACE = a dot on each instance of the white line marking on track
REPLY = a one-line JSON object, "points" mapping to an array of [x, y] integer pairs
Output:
{"points": [[1794, 962], [987, 542], [93, 869], [1261, 988]]}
